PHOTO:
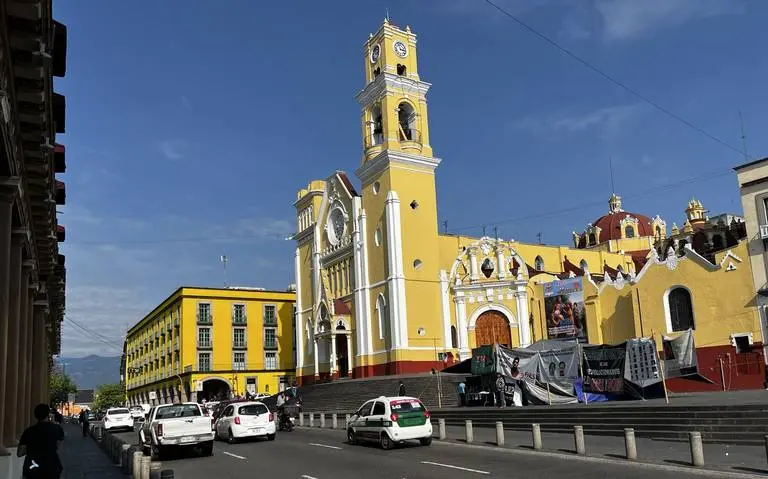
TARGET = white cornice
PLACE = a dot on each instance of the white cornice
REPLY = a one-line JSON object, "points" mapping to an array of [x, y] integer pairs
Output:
{"points": [[378, 163], [391, 83], [310, 194]]}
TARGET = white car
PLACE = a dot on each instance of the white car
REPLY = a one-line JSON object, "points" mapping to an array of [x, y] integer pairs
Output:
{"points": [[118, 418], [391, 420], [246, 419]]}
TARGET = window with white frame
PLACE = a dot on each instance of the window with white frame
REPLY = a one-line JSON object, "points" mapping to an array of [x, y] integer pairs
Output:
{"points": [[204, 337], [238, 314], [238, 337], [203, 361], [270, 315], [204, 313], [381, 311], [270, 338], [270, 361], [238, 361], [680, 309]]}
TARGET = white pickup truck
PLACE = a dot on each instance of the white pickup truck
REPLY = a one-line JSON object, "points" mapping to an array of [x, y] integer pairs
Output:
{"points": [[176, 425]]}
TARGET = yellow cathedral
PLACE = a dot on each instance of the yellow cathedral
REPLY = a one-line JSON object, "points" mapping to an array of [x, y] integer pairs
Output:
{"points": [[379, 290]]}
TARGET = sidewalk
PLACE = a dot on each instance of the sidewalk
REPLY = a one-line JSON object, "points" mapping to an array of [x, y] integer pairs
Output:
{"points": [[736, 458], [83, 458]]}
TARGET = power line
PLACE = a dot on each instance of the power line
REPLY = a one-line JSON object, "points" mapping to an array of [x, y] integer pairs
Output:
{"points": [[200, 239], [92, 334], [613, 79]]}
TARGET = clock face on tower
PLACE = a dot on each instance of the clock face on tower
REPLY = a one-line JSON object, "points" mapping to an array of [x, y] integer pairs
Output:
{"points": [[375, 52], [400, 49], [336, 226]]}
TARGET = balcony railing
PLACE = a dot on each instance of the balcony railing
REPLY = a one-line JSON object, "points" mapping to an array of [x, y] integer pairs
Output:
{"points": [[204, 344], [270, 321], [239, 320], [270, 344], [204, 319], [240, 344]]}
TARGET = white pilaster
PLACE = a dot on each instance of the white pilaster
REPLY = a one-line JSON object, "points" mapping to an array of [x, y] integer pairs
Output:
{"points": [[349, 355], [396, 279], [461, 320], [332, 367], [317, 363], [474, 271], [445, 302], [524, 327], [367, 319], [501, 269], [362, 329], [299, 329]]}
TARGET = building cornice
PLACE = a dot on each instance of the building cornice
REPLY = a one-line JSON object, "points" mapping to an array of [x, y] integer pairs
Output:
{"points": [[376, 165], [391, 83]]}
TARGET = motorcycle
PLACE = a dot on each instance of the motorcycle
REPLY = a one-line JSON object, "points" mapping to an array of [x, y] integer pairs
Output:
{"points": [[286, 420]]}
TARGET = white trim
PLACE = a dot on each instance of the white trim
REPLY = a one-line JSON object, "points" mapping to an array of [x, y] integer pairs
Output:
{"points": [[361, 288], [396, 282], [733, 336], [668, 314], [445, 303], [513, 323], [461, 320], [729, 254], [381, 308], [373, 167], [298, 331], [387, 82], [524, 327]]}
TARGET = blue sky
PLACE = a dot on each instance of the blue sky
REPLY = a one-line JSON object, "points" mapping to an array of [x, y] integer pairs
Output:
{"points": [[190, 127]]}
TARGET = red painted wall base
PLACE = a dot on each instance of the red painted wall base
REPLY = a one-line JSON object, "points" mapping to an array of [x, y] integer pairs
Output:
{"points": [[740, 371]]}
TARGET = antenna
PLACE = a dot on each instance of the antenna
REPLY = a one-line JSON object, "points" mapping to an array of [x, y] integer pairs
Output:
{"points": [[445, 226], [224, 260], [496, 232], [743, 137], [387, 13], [538, 235], [610, 166], [483, 231]]}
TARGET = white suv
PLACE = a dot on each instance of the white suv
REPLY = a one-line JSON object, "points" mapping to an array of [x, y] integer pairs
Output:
{"points": [[118, 418], [390, 420]]}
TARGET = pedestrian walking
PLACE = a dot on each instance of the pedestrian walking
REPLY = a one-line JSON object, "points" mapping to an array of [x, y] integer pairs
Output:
{"points": [[499, 387], [401, 389], [39, 447], [462, 394], [86, 423]]}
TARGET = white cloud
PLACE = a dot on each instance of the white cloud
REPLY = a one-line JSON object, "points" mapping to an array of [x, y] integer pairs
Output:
{"points": [[626, 19], [605, 122], [174, 149]]}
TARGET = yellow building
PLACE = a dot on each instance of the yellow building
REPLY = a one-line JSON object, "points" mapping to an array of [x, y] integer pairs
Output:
{"points": [[210, 343]]}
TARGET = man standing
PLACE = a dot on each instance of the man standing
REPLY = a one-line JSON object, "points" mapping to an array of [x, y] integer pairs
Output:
{"points": [[38, 445], [401, 389], [499, 387], [83, 419], [462, 394]]}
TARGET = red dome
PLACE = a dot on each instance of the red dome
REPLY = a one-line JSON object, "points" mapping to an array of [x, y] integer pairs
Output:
{"points": [[610, 225]]}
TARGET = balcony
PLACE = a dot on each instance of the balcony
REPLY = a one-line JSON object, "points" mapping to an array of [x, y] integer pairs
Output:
{"points": [[239, 345], [270, 321], [205, 319], [763, 231], [270, 344], [373, 143], [239, 320], [204, 344], [410, 139]]}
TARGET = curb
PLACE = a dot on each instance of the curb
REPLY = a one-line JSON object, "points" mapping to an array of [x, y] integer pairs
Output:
{"points": [[704, 471]]}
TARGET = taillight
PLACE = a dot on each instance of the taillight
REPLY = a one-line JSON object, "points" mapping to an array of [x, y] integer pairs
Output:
{"points": [[106, 418], [213, 424], [271, 417], [159, 430], [393, 417], [237, 420], [427, 414]]}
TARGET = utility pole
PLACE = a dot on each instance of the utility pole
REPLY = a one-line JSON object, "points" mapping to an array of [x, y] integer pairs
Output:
{"points": [[445, 227], [538, 235], [224, 261]]}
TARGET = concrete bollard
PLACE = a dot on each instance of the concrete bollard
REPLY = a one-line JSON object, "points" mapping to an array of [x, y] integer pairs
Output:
{"points": [[145, 462], [578, 436], [697, 449], [499, 433], [335, 421], [629, 443], [311, 419], [301, 419], [536, 430], [441, 429], [136, 465], [154, 470], [125, 451], [322, 420], [469, 433]]}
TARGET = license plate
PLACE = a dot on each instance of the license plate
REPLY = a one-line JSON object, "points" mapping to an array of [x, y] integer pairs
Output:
{"points": [[187, 439], [256, 429]]}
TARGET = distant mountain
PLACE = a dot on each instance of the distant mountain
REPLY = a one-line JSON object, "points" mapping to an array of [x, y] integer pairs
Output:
{"points": [[92, 371]]}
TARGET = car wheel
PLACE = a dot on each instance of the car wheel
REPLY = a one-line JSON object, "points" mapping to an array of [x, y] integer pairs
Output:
{"points": [[425, 441], [351, 436], [270, 437], [207, 448], [385, 441], [231, 437]]}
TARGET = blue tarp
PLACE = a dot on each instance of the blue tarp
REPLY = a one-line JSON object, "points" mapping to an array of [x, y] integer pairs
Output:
{"points": [[591, 397]]}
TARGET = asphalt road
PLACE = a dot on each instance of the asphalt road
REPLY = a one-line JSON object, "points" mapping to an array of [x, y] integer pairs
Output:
{"points": [[325, 454]]}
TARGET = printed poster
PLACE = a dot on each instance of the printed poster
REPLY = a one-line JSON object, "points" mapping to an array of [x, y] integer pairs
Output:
{"points": [[564, 309], [680, 355], [603, 368]]}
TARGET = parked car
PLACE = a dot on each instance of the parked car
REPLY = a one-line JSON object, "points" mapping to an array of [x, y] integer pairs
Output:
{"points": [[176, 425], [391, 420], [118, 418], [246, 419]]}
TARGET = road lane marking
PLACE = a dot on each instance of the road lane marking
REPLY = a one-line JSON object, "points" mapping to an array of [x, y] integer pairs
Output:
{"points": [[454, 467], [307, 477], [323, 445], [233, 455]]}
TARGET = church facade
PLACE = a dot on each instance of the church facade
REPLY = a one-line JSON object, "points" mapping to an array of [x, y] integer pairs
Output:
{"points": [[381, 291]]}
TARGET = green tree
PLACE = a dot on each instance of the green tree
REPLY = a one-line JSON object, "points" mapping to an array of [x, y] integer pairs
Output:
{"points": [[60, 387], [109, 395]]}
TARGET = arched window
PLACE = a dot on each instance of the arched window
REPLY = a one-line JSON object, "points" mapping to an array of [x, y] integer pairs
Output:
{"points": [[680, 309], [454, 338], [583, 265], [592, 239], [406, 118], [538, 264], [658, 231], [629, 232], [381, 311]]}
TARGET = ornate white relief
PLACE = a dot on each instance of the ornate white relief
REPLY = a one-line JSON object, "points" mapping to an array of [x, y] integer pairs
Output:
{"points": [[485, 247], [619, 283], [731, 266], [672, 260]]}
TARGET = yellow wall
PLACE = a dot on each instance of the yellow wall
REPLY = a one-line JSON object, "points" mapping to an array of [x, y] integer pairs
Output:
{"points": [[176, 323]]}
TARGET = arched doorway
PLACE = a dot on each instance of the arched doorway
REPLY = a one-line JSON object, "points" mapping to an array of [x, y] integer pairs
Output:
{"points": [[214, 389], [492, 327], [342, 354]]}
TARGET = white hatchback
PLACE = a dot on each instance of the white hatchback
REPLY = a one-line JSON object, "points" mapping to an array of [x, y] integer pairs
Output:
{"points": [[391, 420], [118, 418], [246, 419]]}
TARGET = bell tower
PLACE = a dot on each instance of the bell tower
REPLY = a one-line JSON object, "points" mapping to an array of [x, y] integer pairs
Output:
{"points": [[399, 197]]}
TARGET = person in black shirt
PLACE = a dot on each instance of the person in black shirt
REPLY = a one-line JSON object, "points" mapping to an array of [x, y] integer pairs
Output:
{"points": [[38, 445], [85, 422]]}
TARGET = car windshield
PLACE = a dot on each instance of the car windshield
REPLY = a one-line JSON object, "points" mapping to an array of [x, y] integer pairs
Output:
{"points": [[253, 410], [406, 406], [117, 411], [178, 410]]}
